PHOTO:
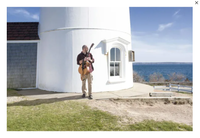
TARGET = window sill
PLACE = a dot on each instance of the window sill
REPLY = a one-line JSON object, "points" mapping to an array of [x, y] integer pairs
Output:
{"points": [[116, 80]]}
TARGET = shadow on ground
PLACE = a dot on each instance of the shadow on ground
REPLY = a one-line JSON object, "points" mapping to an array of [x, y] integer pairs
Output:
{"points": [[44, 101], [29, 92]]}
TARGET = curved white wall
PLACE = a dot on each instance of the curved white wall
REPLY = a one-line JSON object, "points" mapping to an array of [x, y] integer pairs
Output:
{"points": [[63, 32]]}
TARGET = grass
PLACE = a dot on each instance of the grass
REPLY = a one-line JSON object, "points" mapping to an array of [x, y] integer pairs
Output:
{"points": [[74, 116], [12, 92], [58, 116], [151, 125]]}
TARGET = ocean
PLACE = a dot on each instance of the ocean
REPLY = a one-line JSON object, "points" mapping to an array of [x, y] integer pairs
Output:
{"points": [[146, 69]]}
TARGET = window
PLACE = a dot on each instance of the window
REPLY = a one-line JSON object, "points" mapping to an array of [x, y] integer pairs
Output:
{"points": [[116, 50], [115, 62]]}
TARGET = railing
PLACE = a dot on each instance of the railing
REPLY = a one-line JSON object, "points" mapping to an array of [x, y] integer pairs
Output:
{"points": [[173, 86], [167, 82], [180, 88]]}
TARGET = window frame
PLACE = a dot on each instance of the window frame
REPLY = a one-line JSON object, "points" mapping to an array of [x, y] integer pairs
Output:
{"points": [[121, 77], [123, 45]]}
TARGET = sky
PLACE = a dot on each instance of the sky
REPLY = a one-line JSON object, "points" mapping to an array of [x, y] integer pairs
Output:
{"points": [[162, 34], [158, 34]]}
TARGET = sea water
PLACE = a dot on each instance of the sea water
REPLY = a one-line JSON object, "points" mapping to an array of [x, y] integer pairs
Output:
{"points": [[146, 69]]}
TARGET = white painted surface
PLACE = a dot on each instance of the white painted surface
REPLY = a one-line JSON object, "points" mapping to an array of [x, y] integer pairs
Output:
{"points": [[63, 32]]}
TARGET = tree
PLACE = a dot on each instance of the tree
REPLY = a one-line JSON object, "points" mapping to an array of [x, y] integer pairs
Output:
{"points": [[137, 77], [176, 77], [156, 77]]}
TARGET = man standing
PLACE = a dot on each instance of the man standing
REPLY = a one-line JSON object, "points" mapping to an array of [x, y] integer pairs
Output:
{"points": [[80, 57]]}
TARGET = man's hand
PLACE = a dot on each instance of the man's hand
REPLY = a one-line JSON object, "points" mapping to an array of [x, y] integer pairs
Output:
{"points": [[89, 59], [85, 59], [80, 62]]}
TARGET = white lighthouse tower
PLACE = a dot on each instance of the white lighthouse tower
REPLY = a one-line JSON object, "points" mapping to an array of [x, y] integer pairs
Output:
{"points": [[64, 30]]}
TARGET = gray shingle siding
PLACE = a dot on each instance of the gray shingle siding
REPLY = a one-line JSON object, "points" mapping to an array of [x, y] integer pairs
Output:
{"points": [[21, 65]]}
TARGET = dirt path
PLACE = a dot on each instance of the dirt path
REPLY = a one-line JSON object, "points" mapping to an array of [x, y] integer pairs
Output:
{"points": [[132, 111]]}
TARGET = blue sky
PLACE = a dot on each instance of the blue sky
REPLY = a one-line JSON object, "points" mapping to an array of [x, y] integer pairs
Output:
{"points": [[23, 14], [159, 34]]}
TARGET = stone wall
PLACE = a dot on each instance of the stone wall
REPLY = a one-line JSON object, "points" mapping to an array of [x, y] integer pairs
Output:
{"points": [[21, 65]]}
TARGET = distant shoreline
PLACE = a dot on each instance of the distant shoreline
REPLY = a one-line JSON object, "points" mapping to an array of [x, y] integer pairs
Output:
{"points": [[163, 63]]}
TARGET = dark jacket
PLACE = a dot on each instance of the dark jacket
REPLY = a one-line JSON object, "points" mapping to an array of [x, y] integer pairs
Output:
{"points": [[81, 56]]}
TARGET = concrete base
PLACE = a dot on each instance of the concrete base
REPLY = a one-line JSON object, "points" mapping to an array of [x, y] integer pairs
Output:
{"points": [[138, 90], [160, 94]]}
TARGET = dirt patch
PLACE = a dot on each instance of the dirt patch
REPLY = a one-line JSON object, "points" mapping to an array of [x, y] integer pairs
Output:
{"points": [[132, 111], [15, 99]]}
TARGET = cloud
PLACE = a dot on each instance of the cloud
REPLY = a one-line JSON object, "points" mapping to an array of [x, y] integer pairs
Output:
{"points": [[161, 52], [164, 26], [138, 33], [186, 31], [176, 13], [35, 16], [155, 34], [24, 13]]}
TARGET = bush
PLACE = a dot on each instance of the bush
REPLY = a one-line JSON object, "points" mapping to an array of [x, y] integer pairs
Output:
{"points": [[176, 77], [137, 77], [187, 80], [156, 77]]}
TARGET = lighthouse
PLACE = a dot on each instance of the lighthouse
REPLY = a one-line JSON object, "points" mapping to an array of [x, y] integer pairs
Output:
{"points": [[64, 30]]}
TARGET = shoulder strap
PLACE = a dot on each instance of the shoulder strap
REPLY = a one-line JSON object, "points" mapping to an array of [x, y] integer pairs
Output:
{"points": [[83, 64]]}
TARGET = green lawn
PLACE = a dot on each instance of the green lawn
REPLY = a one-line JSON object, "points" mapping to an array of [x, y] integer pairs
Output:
{"points": [[51, 115], [58, 116], [151, 125], [12, 92]]}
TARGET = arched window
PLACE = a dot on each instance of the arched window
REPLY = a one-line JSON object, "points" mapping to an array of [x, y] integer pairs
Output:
{"points": [[115, 61]]}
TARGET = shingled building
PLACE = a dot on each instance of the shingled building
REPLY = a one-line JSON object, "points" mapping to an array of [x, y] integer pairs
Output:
{"points": [[22, 43]]}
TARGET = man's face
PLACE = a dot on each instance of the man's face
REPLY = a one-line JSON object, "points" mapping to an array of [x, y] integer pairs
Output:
{"points": [[86, 49]]}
